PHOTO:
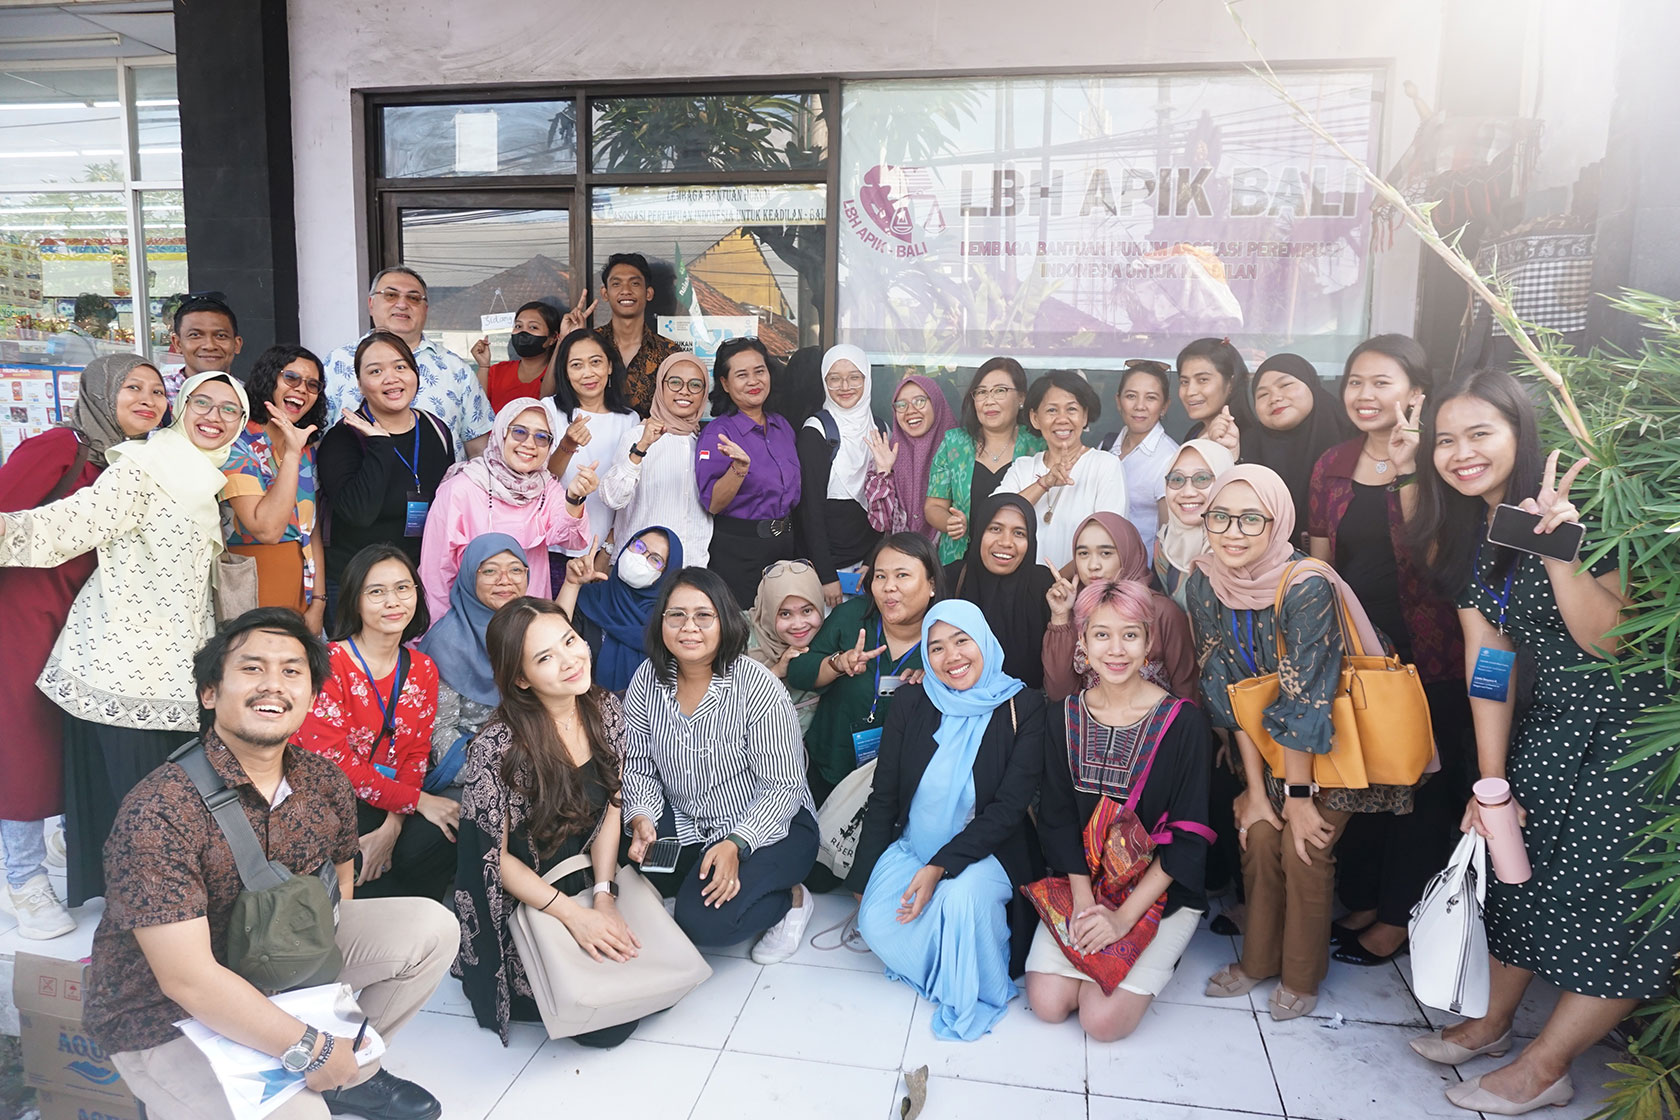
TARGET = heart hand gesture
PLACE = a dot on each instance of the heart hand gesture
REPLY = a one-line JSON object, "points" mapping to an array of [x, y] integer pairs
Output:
{"points": [[481, 353], [577, 434], [583, 484]]}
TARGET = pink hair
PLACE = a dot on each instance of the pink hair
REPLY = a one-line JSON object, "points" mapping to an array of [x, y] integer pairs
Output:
{"points": [[1130, 598]]}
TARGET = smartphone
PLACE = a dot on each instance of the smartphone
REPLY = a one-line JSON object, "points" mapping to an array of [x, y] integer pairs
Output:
{"points": [[661, 855], [1514, 528]]}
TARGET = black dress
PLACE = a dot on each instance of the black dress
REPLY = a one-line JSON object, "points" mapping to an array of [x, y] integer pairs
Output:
{"points": [[835, 531]]}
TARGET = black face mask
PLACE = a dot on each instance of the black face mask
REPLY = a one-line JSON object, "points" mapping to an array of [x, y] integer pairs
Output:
{"points": [[528, 345]]}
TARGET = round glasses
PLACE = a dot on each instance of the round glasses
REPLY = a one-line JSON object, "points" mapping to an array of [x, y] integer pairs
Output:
{"points": [[397, 593], [677, 385], [519, 433], [1201, 480], [917, 402], [640, 547], [797, 567], [1248, 524], [201, 405], [847, 381], [704, 619]]}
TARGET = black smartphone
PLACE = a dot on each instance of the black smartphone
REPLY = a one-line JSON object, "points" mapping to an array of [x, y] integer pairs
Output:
{"points": [[661, 855], [1514, 528]]}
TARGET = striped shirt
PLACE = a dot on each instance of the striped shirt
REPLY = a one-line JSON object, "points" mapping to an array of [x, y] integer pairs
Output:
{"points": [[735, 766]]}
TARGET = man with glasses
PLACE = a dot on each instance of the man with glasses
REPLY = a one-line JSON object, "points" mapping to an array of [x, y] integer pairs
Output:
{"points": [[206, 335], [449, 387]]}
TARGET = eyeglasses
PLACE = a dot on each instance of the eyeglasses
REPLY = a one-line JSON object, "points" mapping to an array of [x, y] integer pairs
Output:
{"points": [[398, 593], [519, 433], [640, 547], [1201, 480], [781, 567], [392, 295], [918, 403], [295, 379], [1248, 524], [201, 405], [677, 385], [846, 381], [703, 619], [995, 393], [506, 571]]}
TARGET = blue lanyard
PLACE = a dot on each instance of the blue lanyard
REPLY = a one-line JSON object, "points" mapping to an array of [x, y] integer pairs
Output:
{"points": [[387, 717], [881, 638], [1502, 598], [414, 467], [1247, 650]]}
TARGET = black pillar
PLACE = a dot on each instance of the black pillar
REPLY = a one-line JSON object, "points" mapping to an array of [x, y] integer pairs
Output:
{"points": [[233, 72], [1639, 193]]}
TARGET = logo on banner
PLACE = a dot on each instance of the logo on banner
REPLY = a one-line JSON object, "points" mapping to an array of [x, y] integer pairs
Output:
{"points": [[901, 204]]}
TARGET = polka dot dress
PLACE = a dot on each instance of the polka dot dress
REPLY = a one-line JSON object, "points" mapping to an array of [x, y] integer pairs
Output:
{"points": [[1569, 922]]}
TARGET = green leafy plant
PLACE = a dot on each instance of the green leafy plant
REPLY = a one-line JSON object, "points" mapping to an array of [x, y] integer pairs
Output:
{"points": [[723, 132]]}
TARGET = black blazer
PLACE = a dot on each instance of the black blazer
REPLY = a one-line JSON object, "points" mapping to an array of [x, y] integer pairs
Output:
{"points": [[1007, 770]]}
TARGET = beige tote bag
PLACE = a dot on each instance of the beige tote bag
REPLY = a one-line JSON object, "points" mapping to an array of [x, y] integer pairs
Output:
{"points": [[234, 585]]}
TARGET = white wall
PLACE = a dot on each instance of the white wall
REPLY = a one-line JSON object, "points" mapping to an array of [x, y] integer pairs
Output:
{"points": [[342, 45]]}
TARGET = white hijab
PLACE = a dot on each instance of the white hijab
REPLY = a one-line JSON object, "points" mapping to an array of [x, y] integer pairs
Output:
{"points": [[851, 460]]}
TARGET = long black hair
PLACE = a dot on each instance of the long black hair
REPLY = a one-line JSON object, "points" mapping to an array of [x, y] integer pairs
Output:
{"points": [[1403, 350], [265, 375], [1228, 360], [347, 620], [1448, 527], [970, 415], [566, 398]]}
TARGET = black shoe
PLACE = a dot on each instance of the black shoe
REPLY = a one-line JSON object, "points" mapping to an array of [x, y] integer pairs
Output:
{"points": [[384, 1096], [1342, 935], [1353, 952], [1224, 926]]}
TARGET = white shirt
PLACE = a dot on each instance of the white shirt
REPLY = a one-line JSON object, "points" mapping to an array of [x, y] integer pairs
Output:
{"points": [[1146, 479], [606, 434], [449, 390], [659, 489], [1099, 483]]}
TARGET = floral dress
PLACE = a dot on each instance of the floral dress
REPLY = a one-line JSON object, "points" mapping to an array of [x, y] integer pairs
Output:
{"points": [[952, 478]]}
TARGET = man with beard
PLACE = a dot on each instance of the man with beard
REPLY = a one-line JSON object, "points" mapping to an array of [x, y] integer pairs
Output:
{"points": [[160, 952]]}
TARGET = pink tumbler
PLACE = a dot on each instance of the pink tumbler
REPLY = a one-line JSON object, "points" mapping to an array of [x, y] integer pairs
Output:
{"points": [[1505, 842]]}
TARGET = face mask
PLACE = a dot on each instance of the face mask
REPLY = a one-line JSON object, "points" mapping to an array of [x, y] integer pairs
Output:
{"points": [[637, 571], [528, 345]]}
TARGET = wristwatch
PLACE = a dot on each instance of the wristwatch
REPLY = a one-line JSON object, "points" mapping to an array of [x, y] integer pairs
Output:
{"points": [[1294, 791], [607, 886], [297, 1056], [635, 451]]}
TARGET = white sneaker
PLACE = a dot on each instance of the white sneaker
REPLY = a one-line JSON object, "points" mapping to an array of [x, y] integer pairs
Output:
{"points": [[41, 916], [56, 854], [782, 940]]}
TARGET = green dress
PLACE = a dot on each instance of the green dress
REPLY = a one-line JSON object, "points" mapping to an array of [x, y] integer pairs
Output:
{"points": [[952, 476], [1569, 921]]}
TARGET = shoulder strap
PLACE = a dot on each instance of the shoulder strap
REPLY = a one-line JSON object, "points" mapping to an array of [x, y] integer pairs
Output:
{"points": [[68, 479], [256, 870], [831, 432], [1156, 729], [571, 865], [1351, 643]]}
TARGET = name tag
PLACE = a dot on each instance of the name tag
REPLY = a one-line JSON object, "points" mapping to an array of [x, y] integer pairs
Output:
{"points": [[415, 524], [866, 744], [1491, 677]]}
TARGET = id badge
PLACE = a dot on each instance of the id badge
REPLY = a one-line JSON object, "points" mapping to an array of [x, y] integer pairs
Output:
{"points": [[889, 685], [1491, 677], [417, 507], [866, 744]]}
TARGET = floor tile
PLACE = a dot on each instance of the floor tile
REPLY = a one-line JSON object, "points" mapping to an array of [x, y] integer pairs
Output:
{"points": [[463, 1065], [760, 1087], [1113, 1108], [1206, 1056], [567, 1079], [449, 999], [1378, 994], [1537, 1004], [1588, 1073], [1207, 953], [798, 1011], [833, 910], [1020, 1050], [1361, 1069], [708, 1013], [949, 1098]]}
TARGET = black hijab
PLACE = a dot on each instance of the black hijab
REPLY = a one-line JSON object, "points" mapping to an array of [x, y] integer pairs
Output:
{"points": [[1293, 454], [1014, 604]]}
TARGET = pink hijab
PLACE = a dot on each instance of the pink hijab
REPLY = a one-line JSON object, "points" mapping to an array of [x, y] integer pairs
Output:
{"points": [[1254, 586], [915, 455], [492, 472]]}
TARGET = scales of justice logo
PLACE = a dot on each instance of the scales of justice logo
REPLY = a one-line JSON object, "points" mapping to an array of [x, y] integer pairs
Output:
{"points": [[896, 211]]}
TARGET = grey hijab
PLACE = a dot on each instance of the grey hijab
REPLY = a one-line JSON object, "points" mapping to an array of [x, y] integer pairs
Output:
{"points": [[95, 413]]}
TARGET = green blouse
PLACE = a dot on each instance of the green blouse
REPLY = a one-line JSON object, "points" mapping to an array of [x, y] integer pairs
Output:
{"points": [[952, 476]]}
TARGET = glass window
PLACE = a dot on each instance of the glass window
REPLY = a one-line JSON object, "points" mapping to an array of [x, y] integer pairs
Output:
{"points": [[721, 132], [164, 232], [727, 261], [503, 138], [60, 126], [157, 122]]}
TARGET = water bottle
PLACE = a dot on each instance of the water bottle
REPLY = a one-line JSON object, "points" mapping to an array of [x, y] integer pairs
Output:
{"points": [[1505, 842]]}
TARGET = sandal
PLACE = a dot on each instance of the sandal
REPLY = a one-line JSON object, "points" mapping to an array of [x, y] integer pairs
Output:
{"points": [[1287, 1005], [1229, 981]]}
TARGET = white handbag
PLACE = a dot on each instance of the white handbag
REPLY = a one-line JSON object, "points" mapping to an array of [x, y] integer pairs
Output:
{"points": [[840, 820], [1448, 939]]}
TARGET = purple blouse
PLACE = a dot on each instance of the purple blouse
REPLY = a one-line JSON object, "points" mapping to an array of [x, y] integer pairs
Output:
{"points": [[771, 488]]}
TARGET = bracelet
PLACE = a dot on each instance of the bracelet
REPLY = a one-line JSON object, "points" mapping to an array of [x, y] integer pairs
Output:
{"points": [[552, 901], [571, 501], [321, 1058], [1403, 480]]}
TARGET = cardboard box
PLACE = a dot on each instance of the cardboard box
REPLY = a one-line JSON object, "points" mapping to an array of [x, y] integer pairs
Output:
{"points": [[75, 1106], [58, 1055]]}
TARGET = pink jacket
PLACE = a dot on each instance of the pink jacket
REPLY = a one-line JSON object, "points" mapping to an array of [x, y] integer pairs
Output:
{"points": [[462, 510]]}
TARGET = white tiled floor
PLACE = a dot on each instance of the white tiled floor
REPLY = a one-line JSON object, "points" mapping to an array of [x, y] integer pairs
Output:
{"points": [[826, 1035]]}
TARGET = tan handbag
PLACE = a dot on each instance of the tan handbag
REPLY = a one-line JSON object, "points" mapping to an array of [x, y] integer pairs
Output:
{"points": [[234, 585], [576, 993], [1382, 734]]}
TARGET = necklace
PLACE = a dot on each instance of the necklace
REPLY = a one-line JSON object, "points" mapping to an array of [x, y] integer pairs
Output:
{"points": [[1380, 464], [993, 456]]}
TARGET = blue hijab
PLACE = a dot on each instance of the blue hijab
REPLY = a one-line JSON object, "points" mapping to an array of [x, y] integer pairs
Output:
{"points": [[622, 613], [945, 796], [456, 641]]}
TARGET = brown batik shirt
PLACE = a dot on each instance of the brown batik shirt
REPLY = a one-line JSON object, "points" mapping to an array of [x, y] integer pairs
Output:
{"points": [[639, 373], [166, 861]]}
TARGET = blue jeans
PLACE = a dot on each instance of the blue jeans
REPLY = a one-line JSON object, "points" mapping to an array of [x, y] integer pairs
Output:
{"points": [[26, 850]]}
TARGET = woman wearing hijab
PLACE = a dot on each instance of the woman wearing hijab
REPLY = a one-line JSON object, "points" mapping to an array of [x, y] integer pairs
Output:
{"points": [[834, 461], [651, 481], [897, 486], [467, 695], [121, 397], [1296, 420], [612, 610], [1001, 574], [1286, 825], [1182, 536], [786, 614], [1108, 548], [945, 836], [122, 666], [508, 490]]}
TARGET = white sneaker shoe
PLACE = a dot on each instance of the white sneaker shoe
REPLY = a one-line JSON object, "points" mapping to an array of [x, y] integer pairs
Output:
{"points": [[56, 853], [782, 940], [41, 916]]}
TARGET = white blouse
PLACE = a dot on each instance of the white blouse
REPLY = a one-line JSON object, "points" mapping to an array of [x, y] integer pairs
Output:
{"points": [[1099, 484], [606, 431], [1146, 479], [658, 489]]}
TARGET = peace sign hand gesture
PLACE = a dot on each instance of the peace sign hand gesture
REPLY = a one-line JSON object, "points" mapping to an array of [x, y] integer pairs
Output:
{"points": [[853, 661], [579, 316], [1060, 597], [884, 452], [1552, 503], [1403, 440]]}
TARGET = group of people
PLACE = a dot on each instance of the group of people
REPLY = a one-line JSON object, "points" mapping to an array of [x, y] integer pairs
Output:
{"points": [[972, 665]]}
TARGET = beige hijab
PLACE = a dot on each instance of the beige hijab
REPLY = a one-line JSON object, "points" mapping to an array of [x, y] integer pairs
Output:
{"points": [[773, 590], [1177, 542]]}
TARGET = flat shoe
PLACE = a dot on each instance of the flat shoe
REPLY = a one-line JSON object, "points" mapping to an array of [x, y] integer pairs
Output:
{"points": [[1354, 952], [1472, 1096], [1229, 981], [1287, 1005], [1341, 935], [1436, 1048], [1223, 925]]}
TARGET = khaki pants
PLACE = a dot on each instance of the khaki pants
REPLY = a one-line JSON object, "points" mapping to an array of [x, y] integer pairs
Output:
{"points": [[1287, 930], [396, 951]]}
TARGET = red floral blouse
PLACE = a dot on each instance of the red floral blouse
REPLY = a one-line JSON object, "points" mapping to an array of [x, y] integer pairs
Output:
{"points": [[346, 719]]}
